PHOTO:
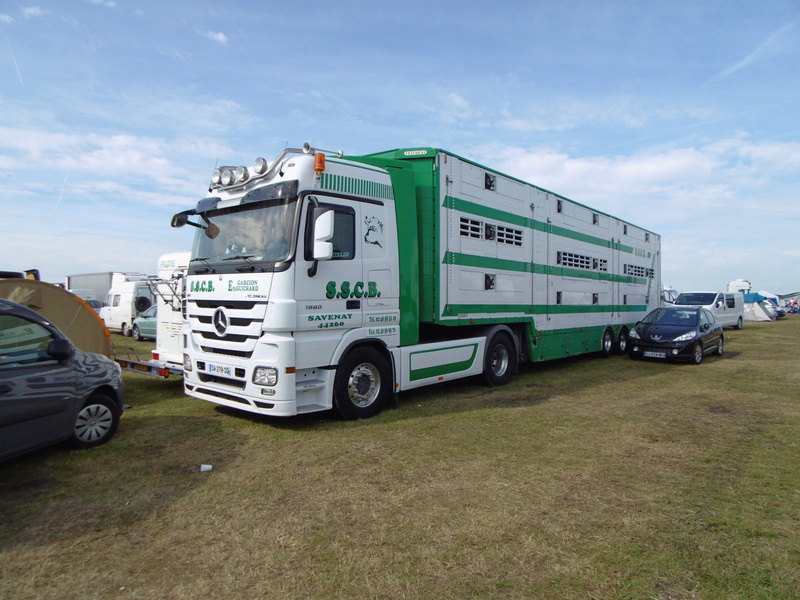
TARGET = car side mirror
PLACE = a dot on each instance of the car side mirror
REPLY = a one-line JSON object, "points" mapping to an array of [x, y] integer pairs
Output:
{"points": [[61, 349]]}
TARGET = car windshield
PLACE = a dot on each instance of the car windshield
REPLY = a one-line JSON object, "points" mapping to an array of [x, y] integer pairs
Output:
{"points": [[258, 232], [664, 316], [696, 298]]}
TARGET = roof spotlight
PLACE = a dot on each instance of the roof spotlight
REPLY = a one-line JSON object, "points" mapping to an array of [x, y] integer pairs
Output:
{"points": [[216, 177], [241, 174], [259, 166], [227, 177]]}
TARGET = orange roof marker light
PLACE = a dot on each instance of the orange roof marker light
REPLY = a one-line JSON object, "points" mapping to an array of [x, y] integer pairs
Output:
{"points": [[319, 162]]}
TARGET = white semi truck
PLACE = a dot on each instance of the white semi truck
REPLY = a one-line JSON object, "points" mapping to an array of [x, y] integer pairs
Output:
{"points": [[321, 281]]}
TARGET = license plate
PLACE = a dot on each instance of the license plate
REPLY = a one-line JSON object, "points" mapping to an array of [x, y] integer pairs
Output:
{"points": [[655, 354], [220, 369]]}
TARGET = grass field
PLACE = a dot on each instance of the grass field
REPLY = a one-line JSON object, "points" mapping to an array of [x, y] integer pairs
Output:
{"points": [[585, 478]]}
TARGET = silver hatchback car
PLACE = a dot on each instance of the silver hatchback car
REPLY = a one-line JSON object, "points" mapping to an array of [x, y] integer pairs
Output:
{"points": [[51, 391]]}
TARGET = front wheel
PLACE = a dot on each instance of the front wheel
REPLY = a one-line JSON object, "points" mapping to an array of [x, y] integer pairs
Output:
{"points": [[362, 385], [739, 323], [96, 422], [136, 334], [498, 363], [697, 353], [720, 346]]}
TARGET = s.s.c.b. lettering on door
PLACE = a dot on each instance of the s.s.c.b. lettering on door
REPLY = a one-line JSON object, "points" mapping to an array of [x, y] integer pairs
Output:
{"points": [[356, 290]]}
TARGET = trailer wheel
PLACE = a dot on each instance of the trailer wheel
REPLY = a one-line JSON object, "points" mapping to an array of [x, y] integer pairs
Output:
{"points": [[362, 384], [622, 340], [607, 345], [499, 360]]}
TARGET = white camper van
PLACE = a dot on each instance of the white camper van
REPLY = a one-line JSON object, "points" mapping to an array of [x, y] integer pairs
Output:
{"points": [[125, 300], [728, 307]]}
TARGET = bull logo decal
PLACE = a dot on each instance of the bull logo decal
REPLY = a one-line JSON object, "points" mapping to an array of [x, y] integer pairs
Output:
{"points": [[374, 233]]}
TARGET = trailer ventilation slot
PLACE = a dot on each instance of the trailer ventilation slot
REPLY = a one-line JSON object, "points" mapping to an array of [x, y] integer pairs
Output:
{"points": [[471, 228], [507, 235]]}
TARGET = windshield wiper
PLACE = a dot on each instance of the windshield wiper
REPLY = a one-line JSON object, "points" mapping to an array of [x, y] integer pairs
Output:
{"points": [[241, 257], [202, 269]]}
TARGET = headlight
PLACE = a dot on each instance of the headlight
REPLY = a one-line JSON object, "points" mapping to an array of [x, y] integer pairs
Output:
{"points": [[187, 363], [686, 337], [265, 376], [634, 334]]}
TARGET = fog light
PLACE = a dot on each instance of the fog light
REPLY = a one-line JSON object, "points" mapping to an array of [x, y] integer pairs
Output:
{"points": [[187, 363], [265, 376]]}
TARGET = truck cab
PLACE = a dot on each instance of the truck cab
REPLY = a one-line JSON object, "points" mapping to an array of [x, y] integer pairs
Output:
{"points": [[291, 272]]}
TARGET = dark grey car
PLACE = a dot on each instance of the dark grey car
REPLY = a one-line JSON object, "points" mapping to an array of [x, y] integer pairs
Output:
{"points": [[51, 391]]}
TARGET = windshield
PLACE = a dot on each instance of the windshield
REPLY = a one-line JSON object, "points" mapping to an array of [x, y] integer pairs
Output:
{"points": [[249, 233], [696, 298], [664, 316]]}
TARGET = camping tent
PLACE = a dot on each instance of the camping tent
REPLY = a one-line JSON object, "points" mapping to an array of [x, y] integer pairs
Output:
{"points": [[754, 309], [76, 319]]}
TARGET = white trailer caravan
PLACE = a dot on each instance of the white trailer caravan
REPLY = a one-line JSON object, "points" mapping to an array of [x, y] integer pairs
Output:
{"points": [[322, 281], [170, 296]]}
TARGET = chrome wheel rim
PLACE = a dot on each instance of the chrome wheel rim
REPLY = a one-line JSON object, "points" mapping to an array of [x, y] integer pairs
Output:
{"points": [[364, 385]]}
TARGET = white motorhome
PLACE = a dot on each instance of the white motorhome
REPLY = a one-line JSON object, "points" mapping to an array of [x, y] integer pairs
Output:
{"points": [[728, 307], [125, 300]]}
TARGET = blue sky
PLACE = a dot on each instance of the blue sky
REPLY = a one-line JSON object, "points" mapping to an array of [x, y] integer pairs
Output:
{"points": [[682, 117]]}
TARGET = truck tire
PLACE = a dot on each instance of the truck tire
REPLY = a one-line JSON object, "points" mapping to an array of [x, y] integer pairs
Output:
{"points": [[498, 363], [622, 341], [363, 384], [607, 344]]}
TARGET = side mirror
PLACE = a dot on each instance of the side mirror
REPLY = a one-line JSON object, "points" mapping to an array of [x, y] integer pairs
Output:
{"points": [[61, 349], [179, 220], [212, 231], [323, 233]]}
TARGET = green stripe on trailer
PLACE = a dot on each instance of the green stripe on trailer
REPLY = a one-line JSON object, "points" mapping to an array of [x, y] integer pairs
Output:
{"points": [[511, 312]]}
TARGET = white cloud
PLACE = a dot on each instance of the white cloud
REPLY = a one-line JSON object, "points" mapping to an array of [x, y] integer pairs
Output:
{"points": [[30, 12], [6, 18], [217, 37]]}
